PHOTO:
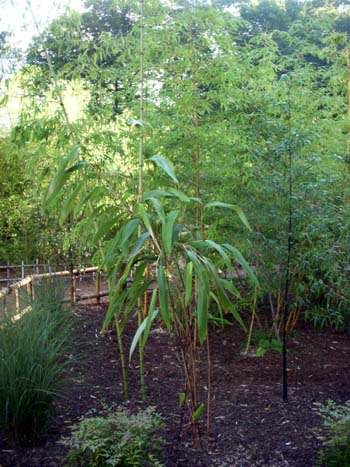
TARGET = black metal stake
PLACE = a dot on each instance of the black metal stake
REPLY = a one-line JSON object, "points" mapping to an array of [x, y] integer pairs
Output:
{"points": [[289, 251]]}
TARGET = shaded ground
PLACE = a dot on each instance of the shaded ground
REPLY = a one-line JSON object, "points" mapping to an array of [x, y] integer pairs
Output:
{"points": [[251, 425]]}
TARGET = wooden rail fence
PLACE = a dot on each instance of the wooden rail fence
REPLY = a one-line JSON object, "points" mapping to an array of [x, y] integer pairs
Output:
{"points": [[14, 273], [29, 283]]}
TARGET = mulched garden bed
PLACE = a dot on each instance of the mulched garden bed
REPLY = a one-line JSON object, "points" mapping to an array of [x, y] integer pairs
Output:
{"points": [[251, 424]]}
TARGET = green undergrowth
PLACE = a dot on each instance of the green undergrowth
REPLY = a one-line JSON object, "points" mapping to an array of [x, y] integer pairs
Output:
{"points": [[336, 418], [117, 439]]}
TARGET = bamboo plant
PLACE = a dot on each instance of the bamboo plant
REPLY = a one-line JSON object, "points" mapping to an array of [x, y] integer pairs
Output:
{"points": [[182, 279]]}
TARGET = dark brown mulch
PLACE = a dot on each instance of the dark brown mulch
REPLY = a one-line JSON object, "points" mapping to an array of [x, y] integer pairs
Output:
{"points": [[251, 425]]}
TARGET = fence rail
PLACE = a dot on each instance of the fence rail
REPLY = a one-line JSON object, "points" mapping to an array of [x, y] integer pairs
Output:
{"points": [[29, 283], [15, 272]]}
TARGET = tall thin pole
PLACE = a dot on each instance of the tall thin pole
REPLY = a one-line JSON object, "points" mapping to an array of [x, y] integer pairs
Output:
{"points": [[289, 251], [348, 112], [142, 110], [141, 305]]}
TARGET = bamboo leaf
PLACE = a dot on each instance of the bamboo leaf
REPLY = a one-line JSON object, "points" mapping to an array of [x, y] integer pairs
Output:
{"points": [[61, 176], [151, 311], [68, 204], [104, 228], [165, 165], [157, 206], [147, 222], [198, 413], [237, 209], [157, 194], [188, 282], [220, 250], [167, 231], [163, 296], [140, 334], [216, 300], [241, 260], [128, 231], [139, 244], [182, 399], [180, 195], [202, 310]]}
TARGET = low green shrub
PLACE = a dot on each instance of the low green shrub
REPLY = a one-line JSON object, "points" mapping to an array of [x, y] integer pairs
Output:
{"points": [[337, 422], [118, 439], [32, 363]]}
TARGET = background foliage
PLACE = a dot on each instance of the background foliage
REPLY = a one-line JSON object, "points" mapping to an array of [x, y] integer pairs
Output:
{"points": [[230, 89]]}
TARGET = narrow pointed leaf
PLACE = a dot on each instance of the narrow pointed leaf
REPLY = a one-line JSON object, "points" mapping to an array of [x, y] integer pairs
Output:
{"points": [[140, 334], [153, 312], [167, 231], [163, 296], [241, 260], [202, 310], [237, 209], [165, 165], [198, 413], [188, 282], [139, 244], [157, 206]]}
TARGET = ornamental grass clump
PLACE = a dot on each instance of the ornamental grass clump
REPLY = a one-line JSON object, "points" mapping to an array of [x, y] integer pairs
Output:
{"points": [[32, 363]]}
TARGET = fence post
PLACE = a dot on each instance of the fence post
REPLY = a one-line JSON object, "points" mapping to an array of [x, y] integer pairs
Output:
{"points": [[30, 289], [22, 269], [17, 300], [98, 287], [37, 266], [8, 274], [72, 285]]}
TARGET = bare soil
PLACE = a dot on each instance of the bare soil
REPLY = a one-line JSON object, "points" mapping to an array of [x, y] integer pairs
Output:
{"points": [[251, 424]]}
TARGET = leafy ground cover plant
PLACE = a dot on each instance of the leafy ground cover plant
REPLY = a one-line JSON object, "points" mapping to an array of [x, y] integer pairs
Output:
{"points": [[262, 341], [118, 439], [337, 422], [32, 363]]}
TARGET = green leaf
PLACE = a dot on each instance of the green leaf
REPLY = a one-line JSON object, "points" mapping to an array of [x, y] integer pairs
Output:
{"points": [[157, 194], [260, 351], [68, 204], [61, 176], [165, 165], [188, 282], [180, 195], [167, 231], [128, 231], [240, 260], [151, 311], [198, 413], [163, 296], [104, 228], [240, 213], [139, 244], [220, 250], [157, 206], [147, 222], [143, 331], [202, 310], [181, 399]]}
